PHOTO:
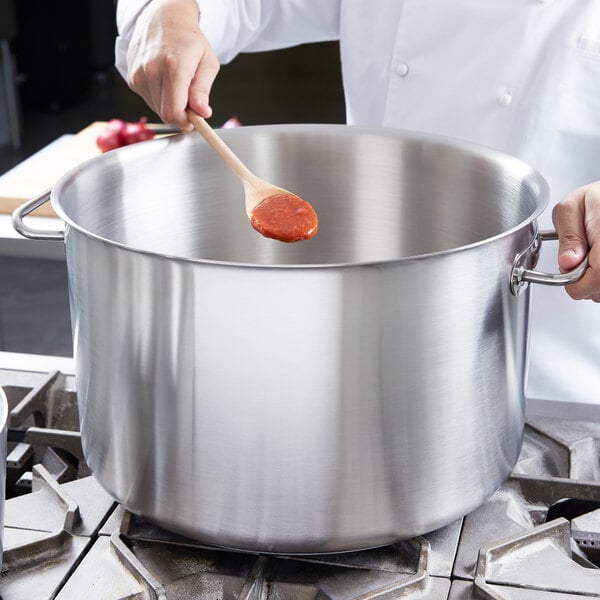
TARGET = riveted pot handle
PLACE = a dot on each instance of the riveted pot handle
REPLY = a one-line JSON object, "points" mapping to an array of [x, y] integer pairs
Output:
{"points": [[521, 275], [35, 234]]}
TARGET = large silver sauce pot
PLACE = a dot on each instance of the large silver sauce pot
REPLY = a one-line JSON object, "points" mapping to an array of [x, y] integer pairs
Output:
{"points": [[335, 394]]}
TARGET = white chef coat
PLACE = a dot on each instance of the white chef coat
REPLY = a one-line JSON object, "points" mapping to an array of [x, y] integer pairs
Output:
{"points": [[521, 76]]}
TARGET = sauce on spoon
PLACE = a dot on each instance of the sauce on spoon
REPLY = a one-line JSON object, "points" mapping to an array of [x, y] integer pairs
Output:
{"points": [[285, 217]]}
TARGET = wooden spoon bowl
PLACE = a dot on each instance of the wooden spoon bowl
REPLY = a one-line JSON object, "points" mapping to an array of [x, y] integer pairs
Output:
{"points": [[273, 211]]}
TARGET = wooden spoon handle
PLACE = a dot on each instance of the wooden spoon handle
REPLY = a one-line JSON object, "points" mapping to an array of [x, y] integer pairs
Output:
{"points": [[220, 147]]}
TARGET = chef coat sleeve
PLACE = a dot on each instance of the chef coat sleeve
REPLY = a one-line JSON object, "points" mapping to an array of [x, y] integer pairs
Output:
{"points": [[234, 26], [127, 13]]}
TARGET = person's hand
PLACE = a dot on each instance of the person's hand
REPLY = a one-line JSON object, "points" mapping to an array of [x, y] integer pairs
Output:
{"points": [[577, 222], [170, 63]]}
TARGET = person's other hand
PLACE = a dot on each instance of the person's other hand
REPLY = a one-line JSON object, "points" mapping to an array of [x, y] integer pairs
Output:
{"points": [[170, 63], [577, 222]]}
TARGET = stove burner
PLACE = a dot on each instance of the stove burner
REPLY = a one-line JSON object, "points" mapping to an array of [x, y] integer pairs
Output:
{"points": [[538, 537], [43, 426]]}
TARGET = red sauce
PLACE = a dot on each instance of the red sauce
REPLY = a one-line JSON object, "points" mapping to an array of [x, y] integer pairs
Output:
{"points": [[285, 217]]}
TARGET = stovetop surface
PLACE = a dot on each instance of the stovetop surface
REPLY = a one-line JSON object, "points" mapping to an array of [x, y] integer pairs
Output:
{"points": [[538, 537]]}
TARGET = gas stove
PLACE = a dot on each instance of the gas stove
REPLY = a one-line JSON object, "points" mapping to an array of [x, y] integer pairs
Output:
{"points": [[538, 537]]}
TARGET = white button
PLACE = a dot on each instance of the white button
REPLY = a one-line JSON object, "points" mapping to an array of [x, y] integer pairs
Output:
{"points": [[505, 99], [402, 69]]}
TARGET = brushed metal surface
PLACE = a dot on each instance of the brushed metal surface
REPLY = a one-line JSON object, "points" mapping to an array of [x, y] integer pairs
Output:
{"points": [[345, 392], [3, 453]]}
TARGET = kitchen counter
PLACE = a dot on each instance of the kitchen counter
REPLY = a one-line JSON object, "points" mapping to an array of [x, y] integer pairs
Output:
{"points": [[34, 311], [40, 171], [33, 177], [34, 308], [39, 363], [37, 174], [14, 244]]}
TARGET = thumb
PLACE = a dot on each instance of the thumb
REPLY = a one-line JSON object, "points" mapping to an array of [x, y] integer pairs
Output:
{"points": [[571, 251], [569, 221]]}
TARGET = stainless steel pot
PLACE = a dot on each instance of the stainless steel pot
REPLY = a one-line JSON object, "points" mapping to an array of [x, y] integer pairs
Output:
{"points": [[336, 394]]}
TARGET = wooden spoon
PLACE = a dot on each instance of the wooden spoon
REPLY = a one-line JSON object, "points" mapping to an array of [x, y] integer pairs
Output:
{"points": [[273, 211]]}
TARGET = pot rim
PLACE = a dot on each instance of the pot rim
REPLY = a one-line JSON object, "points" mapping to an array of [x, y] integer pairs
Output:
{"points": [[530, 174]]}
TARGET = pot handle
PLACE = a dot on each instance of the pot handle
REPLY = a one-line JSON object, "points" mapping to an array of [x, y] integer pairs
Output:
{"points": [[35, 234], [521, 276]]}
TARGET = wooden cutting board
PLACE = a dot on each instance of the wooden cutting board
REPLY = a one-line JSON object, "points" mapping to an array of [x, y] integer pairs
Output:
{"points": [[40, 171]]}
